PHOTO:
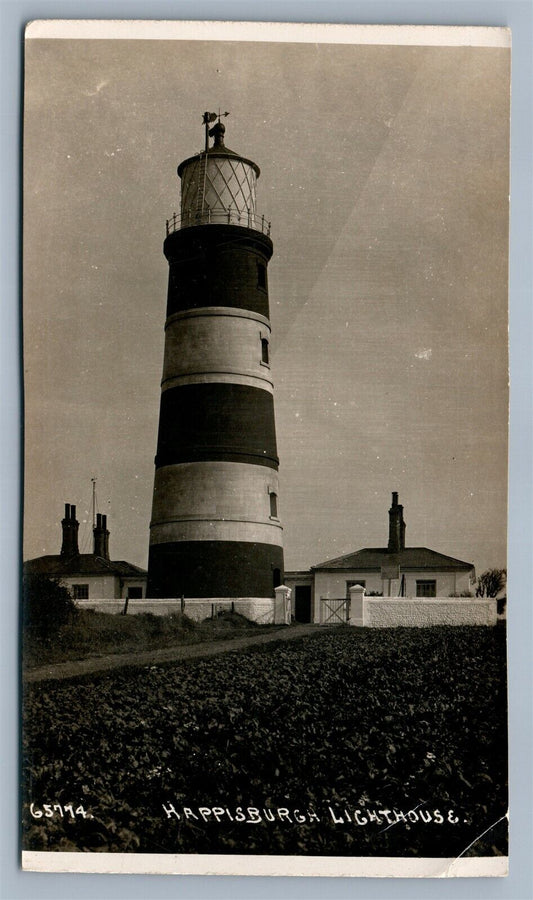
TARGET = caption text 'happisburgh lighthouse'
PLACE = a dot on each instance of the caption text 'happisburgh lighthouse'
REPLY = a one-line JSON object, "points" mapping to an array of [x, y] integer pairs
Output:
{"points": [[215, 530]]}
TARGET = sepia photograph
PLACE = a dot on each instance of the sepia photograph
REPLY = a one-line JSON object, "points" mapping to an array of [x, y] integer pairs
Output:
{"points": [[265, 317]]}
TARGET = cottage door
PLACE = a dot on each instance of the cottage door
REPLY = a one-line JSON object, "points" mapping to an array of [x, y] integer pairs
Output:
{"points": [[302, 603]]}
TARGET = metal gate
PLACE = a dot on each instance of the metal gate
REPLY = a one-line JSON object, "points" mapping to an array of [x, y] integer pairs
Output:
{"points": [[333, 612]]}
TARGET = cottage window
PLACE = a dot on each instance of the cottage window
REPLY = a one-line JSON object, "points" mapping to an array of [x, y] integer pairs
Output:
{"points": [[426, 588], [135, 593], [80, 591]]}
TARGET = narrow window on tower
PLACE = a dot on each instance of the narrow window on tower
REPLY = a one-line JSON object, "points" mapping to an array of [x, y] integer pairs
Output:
{"points": [[261, 276], [264, 351], [273, 505]]}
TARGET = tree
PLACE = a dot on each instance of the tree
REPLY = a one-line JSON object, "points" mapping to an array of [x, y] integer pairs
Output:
{"points": [[47, 605], [491, 582]]}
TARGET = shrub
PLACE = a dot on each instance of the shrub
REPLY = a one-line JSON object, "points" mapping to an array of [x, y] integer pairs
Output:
{"points": [[491, 583], [47, 605]]}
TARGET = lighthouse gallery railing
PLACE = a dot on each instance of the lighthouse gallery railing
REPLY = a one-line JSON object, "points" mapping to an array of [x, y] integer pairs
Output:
{"points": [[217, 217]]}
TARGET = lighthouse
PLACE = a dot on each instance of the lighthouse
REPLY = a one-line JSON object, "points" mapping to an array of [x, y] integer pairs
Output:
{"points": [[215, 531]]}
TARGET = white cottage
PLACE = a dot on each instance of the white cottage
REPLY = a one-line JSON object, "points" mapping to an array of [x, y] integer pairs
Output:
{"points": [[93, 575], [320, 594]]}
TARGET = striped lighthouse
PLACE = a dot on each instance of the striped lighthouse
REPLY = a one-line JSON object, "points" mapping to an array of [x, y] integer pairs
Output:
{"points": [[215, 530]]}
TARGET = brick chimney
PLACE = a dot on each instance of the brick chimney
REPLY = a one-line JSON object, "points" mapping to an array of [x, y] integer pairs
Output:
{"points": [[101, 537], [70, 527], [396, 526]]}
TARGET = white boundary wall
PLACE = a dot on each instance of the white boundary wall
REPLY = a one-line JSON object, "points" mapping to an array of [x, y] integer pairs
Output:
{"points": [[262, 610], [391, 612]]}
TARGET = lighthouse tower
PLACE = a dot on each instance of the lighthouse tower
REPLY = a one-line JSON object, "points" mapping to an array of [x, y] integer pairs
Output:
{"points": [[215, 530]]}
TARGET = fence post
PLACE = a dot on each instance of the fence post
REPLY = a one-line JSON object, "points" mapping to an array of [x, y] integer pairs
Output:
{"points": [[282, 605], [357, 594], [182, 604]]}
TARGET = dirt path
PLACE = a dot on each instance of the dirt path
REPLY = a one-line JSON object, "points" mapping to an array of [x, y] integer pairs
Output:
{"points": [[94, 664]]}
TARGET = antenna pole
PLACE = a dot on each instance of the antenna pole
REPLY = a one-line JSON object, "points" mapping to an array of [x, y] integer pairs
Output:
{"points": [[93, 480], [206, 119]]}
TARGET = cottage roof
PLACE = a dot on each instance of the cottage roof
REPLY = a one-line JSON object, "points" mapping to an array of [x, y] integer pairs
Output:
{"points": [[83, 564], [373, 558]]}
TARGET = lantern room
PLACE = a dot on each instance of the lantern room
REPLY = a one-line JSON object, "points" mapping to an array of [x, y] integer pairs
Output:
{"points": [[218, 187]]}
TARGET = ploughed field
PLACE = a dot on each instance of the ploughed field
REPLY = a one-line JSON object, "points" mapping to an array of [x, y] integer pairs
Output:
{"points": [[354, 742]]}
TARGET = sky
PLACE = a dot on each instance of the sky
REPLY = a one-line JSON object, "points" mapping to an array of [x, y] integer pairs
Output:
{"points": [[384, 172]]}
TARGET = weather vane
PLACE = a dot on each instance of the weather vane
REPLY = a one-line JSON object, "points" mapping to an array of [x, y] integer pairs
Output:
{"points": [[207, 118]]}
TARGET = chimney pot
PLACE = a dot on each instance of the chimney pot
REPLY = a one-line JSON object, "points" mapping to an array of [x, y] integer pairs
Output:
{"points": [[70, 526], [396, 526], [101, 537]]}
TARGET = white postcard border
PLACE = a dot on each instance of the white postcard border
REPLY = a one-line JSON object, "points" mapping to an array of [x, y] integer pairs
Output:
{"points": [[284, 32], [217, 864]]}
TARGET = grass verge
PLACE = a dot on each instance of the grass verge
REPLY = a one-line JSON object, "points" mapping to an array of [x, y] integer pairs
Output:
{"points": [[96, 634]]}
